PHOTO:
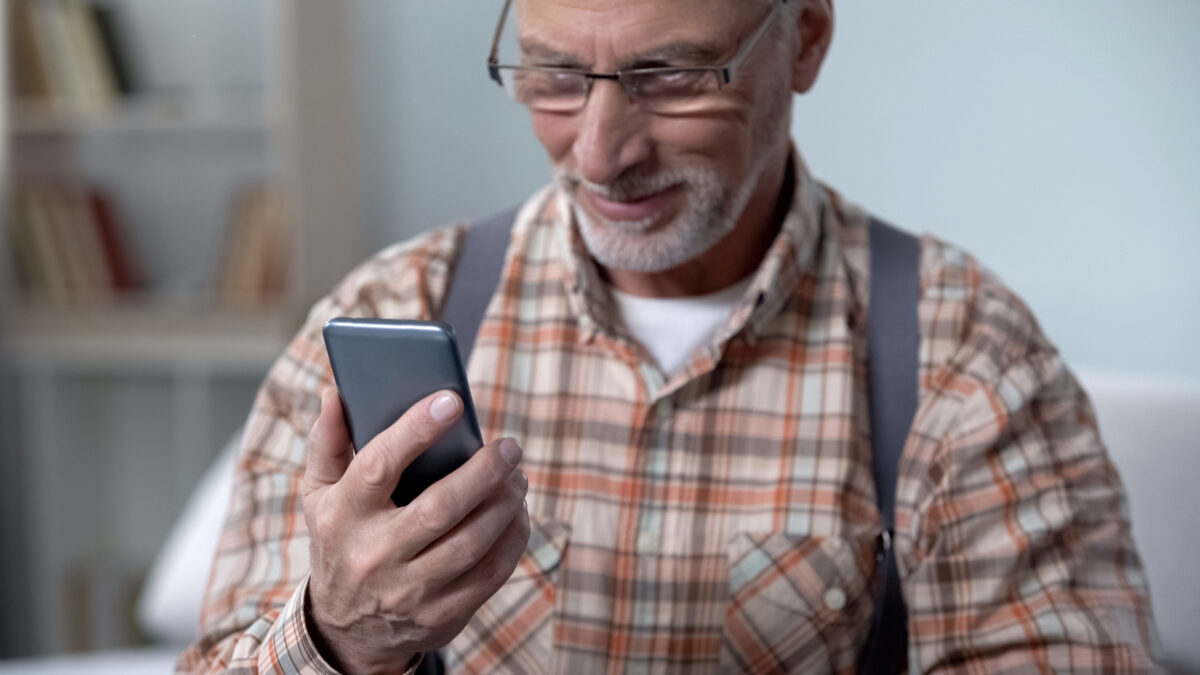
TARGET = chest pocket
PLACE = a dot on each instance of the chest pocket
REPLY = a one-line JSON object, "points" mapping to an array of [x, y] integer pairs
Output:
{"points": [[514, 631], [797, 603]]}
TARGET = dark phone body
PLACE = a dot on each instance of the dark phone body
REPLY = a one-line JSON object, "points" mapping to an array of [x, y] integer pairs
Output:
{"points": [[382, 367]]}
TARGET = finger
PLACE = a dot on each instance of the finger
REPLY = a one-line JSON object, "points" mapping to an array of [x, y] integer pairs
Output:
{"points": [[470, 541], [329, 450], [447, 502], [372, 476], [473, 587]]}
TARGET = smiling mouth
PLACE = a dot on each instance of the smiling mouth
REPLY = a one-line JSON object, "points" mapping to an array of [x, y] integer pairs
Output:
{"points": [[643, 211]]}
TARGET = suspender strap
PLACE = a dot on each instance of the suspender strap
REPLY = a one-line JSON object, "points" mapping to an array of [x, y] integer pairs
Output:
{"points": [[472, 284], [475, 277], [892, 343]]}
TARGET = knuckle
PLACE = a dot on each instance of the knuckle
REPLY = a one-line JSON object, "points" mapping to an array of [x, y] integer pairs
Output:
{"points": [[498, 572], [434, 618], [420, 428], [430, 512], [321, 525], [314, 429], [494, 470], [402, 601], [326, 518], [374, 464], [465, 550], [363, 565]]}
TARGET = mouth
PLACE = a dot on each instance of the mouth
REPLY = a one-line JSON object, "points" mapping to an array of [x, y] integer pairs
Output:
{"points": [[644, 210]]}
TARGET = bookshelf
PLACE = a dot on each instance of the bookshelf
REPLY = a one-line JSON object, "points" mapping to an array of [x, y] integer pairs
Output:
{"points": [[122, 393], [297, 118]]}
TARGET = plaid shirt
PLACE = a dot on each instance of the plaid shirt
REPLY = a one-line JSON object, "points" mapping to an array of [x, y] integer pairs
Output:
{"points": [[722, 518]]}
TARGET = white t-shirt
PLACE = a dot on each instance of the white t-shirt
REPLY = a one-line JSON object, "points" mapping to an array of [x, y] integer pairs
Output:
{"points": [[672, 328]]}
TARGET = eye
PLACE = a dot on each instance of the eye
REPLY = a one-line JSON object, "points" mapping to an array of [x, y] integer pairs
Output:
{"points": [[549, 89], [674, 82]]}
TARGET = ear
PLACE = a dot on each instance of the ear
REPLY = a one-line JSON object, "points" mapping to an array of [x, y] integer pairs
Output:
{"points": [[814, 31]]}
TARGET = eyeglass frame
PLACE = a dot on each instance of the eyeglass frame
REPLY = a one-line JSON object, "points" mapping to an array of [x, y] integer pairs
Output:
{"points": [[724, 73]]}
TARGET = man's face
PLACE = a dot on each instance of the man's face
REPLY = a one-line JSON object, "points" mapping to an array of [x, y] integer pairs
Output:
{"points": [[653, 191]]}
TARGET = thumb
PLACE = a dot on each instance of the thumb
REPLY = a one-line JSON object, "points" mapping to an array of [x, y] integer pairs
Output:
{"points": [[329, 451]]}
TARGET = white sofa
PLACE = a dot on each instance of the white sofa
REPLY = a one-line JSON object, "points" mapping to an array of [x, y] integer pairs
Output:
{"points": [[1151, 425]]}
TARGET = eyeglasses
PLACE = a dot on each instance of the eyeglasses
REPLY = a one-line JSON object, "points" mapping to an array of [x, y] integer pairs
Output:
{"points": [[663, 90]]}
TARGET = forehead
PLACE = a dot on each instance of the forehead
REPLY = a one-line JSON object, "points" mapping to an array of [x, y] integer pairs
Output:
{"points": [[595, 29]]}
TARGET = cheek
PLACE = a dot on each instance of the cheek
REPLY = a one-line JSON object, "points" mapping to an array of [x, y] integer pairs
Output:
{"points": [[719, 144], [556, 134]]}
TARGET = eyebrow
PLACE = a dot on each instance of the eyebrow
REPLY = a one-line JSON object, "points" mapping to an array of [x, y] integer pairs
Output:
{"points": [[681, 53]]}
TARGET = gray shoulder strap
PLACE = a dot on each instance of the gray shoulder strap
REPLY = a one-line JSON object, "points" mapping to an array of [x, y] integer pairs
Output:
{"points": [[893, 339], [475, 276], [473, 281]]}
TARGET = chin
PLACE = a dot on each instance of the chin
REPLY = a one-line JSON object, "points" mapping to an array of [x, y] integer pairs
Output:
{"points": [[669, 244]]}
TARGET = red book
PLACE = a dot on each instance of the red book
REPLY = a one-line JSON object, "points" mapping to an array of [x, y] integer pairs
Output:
{"points": [[110, 241]]}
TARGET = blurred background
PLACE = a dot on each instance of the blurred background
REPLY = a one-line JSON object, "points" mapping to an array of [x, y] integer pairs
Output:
{"points": [[180, 180]]}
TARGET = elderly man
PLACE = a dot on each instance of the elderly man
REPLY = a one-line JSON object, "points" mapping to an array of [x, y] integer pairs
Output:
{"points": [[675, 363]]}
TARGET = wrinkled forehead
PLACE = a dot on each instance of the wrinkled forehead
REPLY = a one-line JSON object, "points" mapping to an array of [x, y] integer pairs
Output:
{"points": [[612, 32]]}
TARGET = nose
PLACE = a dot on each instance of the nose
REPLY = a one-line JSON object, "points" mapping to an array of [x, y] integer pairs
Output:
{"points": [[612, 136]]}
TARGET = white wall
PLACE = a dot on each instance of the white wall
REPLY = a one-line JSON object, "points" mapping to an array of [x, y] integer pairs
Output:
{"points": [[1057, 141]]}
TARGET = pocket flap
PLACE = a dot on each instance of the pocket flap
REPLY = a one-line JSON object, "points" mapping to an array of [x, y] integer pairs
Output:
{"points": [[547, 544]]}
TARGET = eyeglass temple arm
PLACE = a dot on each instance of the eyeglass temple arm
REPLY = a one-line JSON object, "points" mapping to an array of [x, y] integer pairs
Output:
{"points": [[494, 55], [730, 70]]}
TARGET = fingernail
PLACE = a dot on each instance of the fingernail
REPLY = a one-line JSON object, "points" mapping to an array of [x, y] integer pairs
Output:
{"points": [[525, 502], [510, 451], [523, 480], [444, 408]]}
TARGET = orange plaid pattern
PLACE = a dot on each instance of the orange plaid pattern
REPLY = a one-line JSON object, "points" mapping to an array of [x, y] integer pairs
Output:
{"points": [[722, 519]]}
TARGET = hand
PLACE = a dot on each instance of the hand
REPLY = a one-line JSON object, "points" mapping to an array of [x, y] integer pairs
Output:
{"points": [[387, 583]]}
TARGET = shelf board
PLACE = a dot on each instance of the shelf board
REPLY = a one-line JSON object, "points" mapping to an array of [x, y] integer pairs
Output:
{"points": [[145, 335], [145, 114]]}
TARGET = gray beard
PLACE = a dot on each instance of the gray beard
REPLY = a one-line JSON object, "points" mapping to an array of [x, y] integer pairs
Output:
{"points": [[709, 215]]}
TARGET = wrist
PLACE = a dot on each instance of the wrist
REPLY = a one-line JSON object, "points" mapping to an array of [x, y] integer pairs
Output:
{"points": [[327, 652], [319, 640]]}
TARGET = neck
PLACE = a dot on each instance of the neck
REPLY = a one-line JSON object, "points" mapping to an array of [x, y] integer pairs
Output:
{"points": [[733, 258]]}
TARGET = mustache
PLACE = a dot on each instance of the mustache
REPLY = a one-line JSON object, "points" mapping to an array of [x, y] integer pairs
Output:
{"points": [[631, 187]]}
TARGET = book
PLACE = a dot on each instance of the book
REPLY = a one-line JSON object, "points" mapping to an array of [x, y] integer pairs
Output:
{"points": [[20, 248], [66, 244], [45, 257], [59, 79], [253, 263], [68, 54], [96, 270], [68, 71], [90, 61], [29, 72], [64, 227], [111, 45], [112, 247]]}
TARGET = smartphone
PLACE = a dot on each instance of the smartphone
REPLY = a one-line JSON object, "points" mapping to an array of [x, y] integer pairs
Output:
{"points": [[382, 368]]}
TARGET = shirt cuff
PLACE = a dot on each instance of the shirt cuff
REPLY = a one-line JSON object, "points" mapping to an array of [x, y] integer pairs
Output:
{"points": [[290, 649]]}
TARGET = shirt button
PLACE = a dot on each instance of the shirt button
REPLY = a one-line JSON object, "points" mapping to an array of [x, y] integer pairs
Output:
{"points": [[647, 542], [835, 599]]}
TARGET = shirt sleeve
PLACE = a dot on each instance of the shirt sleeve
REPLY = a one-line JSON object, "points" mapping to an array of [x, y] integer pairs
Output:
{"points": [[1015, 544], [253, 616]]}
